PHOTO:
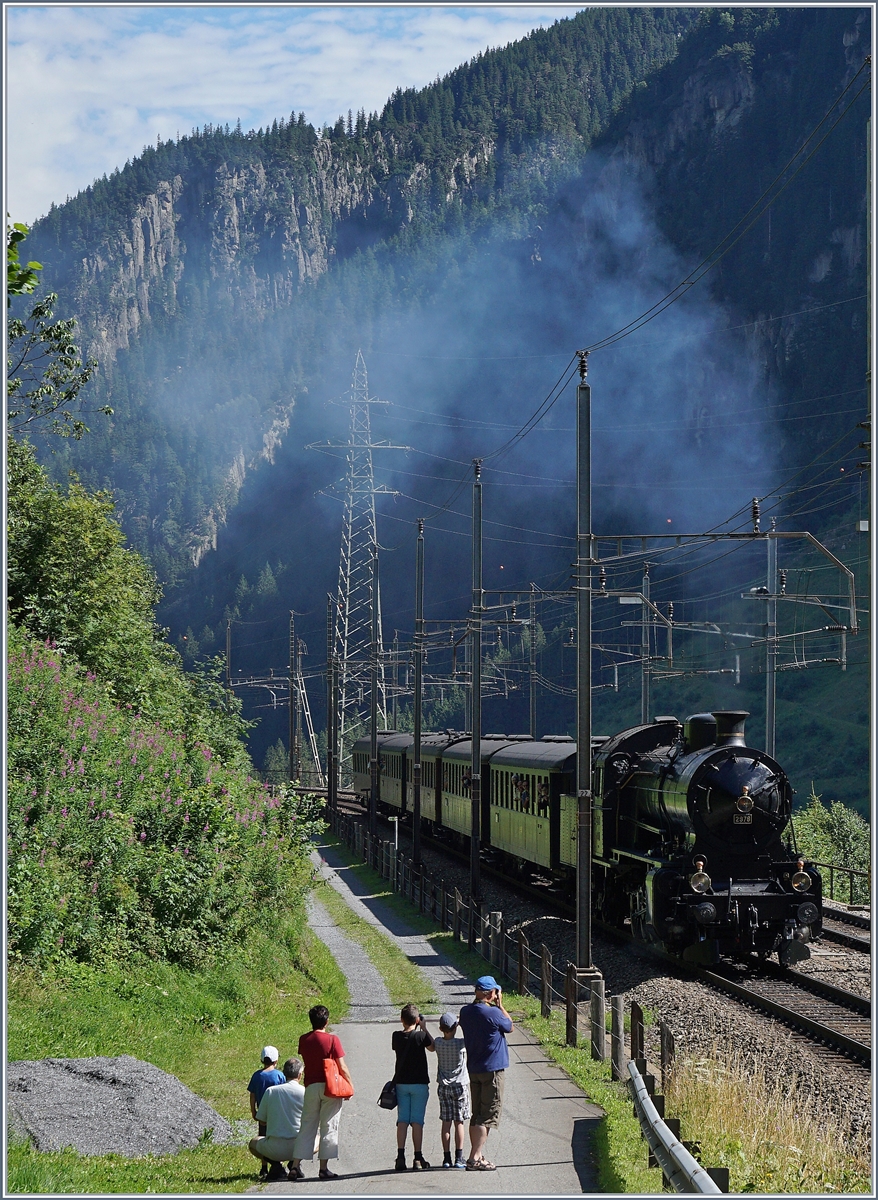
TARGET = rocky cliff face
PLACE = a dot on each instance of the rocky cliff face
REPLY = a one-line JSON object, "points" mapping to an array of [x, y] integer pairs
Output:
{"points": [[261, 233]]}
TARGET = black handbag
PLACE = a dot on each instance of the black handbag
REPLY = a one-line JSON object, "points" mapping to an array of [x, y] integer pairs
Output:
{"points": [[388, 1099]]}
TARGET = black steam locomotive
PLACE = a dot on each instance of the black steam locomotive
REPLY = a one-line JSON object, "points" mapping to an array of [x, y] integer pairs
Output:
{"points": [[689, 827]]}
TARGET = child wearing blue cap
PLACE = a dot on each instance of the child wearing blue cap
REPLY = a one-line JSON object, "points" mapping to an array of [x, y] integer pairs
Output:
{"points": [[453, 1087]]}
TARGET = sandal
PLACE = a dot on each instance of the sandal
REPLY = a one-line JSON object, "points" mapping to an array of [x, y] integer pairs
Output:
{"points": [[326, 1174], [296, 1172], [480, 1164]]}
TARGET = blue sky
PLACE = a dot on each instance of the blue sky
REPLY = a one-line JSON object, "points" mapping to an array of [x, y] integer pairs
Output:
{"points": [[87, 86]]}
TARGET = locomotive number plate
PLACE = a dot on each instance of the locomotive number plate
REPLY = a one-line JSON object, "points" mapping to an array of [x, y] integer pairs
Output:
{"points": [[742, 818]]}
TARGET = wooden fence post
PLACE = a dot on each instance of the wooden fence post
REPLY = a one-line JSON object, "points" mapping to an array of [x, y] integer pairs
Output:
{"points": [[668, 1051], [523, 962], [598, 1021], [546, 983], [456, 916], [572, 1006], [495, 921], [617, 1039], [471, 920]]}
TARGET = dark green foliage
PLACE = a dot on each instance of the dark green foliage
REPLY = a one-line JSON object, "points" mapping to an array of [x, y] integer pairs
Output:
{"points": [[276, 767], [20, 280]]}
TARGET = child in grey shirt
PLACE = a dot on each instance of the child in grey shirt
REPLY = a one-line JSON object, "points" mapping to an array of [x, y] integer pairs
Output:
{"points": [[453, 1083]]}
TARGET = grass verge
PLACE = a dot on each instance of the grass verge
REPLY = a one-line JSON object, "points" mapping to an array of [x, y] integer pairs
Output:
{"points": [[208, 1169], [204, 1027], [778, 1148], [404, 981]]}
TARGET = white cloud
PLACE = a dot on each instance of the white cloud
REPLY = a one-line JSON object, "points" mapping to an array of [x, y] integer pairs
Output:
{"points": [[88, 86]]}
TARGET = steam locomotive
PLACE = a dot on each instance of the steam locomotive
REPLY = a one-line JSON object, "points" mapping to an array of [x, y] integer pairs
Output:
{"points": [[688, 827]]}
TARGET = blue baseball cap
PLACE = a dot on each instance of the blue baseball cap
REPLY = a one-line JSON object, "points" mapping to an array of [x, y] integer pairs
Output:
{"points": [[487, 983]]}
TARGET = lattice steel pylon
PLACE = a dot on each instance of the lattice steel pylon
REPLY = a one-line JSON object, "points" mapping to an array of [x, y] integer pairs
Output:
{"points": [[358, 563]]}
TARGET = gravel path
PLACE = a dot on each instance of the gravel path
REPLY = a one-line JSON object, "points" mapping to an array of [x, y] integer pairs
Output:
{"points": [[451, 988]]}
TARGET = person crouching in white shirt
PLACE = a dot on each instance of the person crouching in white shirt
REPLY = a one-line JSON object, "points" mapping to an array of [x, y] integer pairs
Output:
{"points": [[281, 1110]]}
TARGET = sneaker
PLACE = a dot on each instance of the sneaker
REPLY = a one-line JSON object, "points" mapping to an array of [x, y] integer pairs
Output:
{"points": [[446, 1160], [400, 1163], [277, 1174], [460, 1161], [420, 1163]]}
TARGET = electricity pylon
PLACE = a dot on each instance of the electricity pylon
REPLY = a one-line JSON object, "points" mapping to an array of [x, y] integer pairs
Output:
{"points": [[358, 583]]}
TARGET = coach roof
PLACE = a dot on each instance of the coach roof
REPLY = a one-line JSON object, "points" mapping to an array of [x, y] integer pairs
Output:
{"points": [[539, 756]]}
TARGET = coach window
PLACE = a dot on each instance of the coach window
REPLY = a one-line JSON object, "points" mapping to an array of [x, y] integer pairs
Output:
{"points": [[543, 795]]}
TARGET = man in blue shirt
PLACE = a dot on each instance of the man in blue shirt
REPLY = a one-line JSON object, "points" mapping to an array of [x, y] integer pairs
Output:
{"points": [[484, 1025]]}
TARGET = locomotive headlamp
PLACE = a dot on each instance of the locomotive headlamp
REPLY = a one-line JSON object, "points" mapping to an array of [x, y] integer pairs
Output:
{"points": [[744, 803], [704, 913], [699, 882], [807, 913], [801, 881]]}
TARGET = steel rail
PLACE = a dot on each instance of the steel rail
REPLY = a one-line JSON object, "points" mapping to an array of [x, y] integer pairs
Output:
{"points": [[808, 983], [842, 937]]}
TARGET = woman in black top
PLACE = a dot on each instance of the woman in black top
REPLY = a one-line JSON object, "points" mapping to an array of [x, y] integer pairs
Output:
{"points": [[412, 1083]]}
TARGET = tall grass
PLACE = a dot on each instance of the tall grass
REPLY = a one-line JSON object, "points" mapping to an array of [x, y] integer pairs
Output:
{"points": [[770, 1135]]}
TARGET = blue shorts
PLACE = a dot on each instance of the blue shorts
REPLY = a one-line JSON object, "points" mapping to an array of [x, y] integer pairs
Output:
{"points": [[412, 1100]]}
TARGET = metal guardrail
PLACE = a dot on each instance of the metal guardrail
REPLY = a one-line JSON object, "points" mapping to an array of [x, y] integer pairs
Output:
{"points": [[682, 1171], [859, 882]]}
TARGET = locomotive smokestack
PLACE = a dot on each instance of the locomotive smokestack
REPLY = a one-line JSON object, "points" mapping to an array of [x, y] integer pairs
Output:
{"points": [[730, 728]]}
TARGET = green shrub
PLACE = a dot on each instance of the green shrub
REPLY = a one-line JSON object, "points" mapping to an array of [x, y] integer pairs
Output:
{"points": [[836, 835], [124, 837]]}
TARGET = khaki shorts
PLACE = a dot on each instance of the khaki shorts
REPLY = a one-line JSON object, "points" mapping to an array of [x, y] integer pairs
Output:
{"points": [[275, 1149], [486, 1088]]}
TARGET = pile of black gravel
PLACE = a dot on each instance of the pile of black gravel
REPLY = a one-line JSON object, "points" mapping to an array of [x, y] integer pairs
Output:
{"points": [[107, 1106]]}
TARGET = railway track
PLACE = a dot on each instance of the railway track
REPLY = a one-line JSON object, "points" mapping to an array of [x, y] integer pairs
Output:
{"points": [[829, 1015], [849, 929]]}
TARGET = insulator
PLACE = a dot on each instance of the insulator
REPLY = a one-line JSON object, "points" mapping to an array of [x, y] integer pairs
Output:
{"points": [[670, 610], [570, 638], [603, 579], [754, 508], [783, 582]]}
